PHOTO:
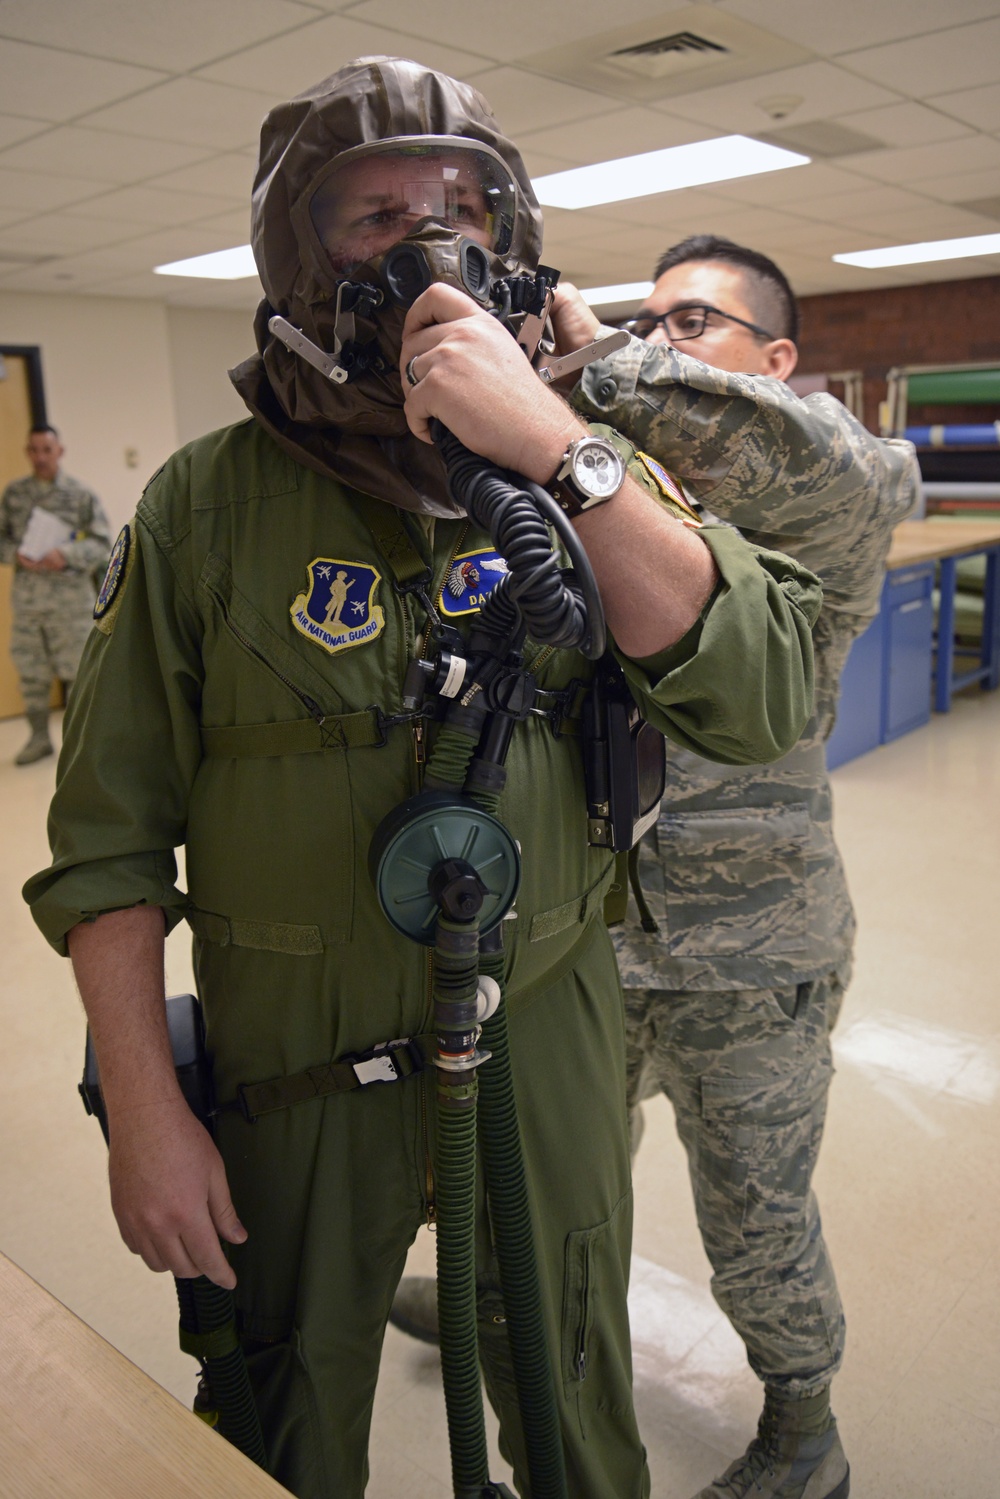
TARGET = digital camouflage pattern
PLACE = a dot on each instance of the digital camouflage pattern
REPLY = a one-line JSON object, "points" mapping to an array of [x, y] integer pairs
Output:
{"points": [[52, 612], [748, 1072], [741, 871], [729, 1004]]}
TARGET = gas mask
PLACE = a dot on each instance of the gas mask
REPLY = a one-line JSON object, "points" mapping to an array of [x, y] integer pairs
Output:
{"points": [[386, 220]]}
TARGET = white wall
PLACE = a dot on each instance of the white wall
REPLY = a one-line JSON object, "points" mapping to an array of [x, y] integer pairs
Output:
{"points": [[109, 385], [204, 344]]}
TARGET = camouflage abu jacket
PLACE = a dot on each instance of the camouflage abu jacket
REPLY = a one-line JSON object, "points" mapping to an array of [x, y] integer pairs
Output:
{"points": [[85, 552], [741, 871]]}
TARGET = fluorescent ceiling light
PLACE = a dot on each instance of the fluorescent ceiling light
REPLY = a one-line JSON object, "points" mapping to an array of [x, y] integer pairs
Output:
{"points": [[931, 249], [628, 291], [221, 265], [718, 160]]}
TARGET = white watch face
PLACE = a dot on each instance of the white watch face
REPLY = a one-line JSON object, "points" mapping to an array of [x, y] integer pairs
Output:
{"points": [[597, 467]]}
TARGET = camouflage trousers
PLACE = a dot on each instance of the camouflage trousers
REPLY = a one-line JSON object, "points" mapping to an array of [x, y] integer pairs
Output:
{"points": [[748, 1072], [52, 619]]}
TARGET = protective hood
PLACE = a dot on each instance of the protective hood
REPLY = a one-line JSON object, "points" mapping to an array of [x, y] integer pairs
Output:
{"points": [[355, 432]]}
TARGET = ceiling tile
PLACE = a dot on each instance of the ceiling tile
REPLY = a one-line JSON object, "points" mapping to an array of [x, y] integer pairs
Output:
{"points": [[36, 193], [791, 184], [524, 102], [235, 224], [16, 128], [826, 91], [175, 36], [625, 132], [289, 64], [832, 28], [190, 110], [976, 106], [961, 57], [905, 124], [971, 153], [47, 85], [225, 176], [64, 234], [150, 205], [911, 227], [959, 187], [858, 206], [518, 28], [98, 153]]}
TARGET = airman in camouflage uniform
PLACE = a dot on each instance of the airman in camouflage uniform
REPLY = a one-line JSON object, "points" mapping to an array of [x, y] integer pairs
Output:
{"points": [[52, 598], [735, 968]]}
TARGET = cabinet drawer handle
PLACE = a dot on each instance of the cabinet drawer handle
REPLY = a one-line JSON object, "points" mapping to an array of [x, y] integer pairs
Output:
{"points": [[896, 580], [914, 604]]}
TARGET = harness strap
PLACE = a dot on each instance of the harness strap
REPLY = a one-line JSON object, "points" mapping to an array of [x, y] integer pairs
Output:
{"points": [[297, 736], [649, 921], [213, 1344], [394, 542], [390, 1062]]}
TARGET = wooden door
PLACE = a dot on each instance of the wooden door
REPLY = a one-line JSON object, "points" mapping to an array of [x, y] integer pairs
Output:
{"points": [[16, 418]]}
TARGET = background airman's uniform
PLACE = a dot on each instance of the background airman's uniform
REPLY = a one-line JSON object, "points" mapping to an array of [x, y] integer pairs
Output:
{"points": [[730, 1001]]}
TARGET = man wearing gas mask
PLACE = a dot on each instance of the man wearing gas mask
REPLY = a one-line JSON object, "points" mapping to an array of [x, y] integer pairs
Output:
{"points": [[737, 949], [243, 695]]}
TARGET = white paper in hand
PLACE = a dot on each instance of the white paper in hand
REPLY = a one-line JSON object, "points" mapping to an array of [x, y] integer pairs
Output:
{"points": [[43, 533]]}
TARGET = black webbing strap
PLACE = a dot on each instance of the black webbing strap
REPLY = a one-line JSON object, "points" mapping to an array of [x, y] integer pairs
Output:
{"points": [[392, 1062]]}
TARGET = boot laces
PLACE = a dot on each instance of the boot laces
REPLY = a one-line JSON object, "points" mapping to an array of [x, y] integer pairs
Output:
{"points": [[756, 1463]]}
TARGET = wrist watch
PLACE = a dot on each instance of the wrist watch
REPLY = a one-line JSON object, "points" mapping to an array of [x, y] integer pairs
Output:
{"points": [[591, 473]]}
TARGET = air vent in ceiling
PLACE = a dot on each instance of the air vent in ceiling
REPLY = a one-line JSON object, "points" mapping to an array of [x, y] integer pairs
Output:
{"points": [[639, 62], [667, 54], [821, 138]]}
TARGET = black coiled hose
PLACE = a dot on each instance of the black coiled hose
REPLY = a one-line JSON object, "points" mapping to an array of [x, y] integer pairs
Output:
{"points": [[511, 512]]}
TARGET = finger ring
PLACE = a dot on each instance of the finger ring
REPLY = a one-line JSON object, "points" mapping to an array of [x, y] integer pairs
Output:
{"points": [[411, 377]]}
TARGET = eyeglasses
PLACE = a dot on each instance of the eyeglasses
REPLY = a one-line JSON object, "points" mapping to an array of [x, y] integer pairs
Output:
{"points": [[684, 323]]}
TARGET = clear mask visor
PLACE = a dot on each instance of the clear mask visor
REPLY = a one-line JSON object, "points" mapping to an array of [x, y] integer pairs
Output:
{"points": [[373, 196]]}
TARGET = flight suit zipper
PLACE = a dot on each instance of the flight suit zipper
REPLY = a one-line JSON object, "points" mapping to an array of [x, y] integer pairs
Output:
{"points": [[311, 706]]}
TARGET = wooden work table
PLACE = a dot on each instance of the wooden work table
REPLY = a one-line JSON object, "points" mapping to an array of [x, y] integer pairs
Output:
{"points": [[78, 1421], [928, 541]]}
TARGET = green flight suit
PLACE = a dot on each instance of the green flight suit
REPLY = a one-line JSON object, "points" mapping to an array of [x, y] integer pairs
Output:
{"points": [[195, 723]]}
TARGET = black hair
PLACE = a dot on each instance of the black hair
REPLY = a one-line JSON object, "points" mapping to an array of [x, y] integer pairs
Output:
{"points": [[769, 294], [43, 427]]}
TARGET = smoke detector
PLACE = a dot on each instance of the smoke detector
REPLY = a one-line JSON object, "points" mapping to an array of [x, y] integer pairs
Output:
{"points": [[779, 106]]}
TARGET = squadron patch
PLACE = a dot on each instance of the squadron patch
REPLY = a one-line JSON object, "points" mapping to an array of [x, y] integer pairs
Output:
{"points": [[470, 581], [338, 609], [669, 488], [119, 567]]}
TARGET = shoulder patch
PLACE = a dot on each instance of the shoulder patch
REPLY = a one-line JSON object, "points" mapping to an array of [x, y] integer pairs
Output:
{"points": [[338, 608], [119, 567], [471, 579], [668, 487]]}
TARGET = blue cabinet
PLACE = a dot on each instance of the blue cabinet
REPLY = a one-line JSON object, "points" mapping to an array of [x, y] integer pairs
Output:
{"points": [[908, 607], [885, 689]]}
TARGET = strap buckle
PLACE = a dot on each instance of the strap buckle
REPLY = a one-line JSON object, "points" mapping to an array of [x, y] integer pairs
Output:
{"points": [[563, 701], [386, 721], [385, 1064]]}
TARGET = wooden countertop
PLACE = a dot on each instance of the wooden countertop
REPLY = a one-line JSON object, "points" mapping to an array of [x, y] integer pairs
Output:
{"points": [[926, 541], [78, 1421]]}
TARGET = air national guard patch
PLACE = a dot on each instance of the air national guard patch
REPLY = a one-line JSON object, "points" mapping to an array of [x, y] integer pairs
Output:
{"points": [[338, 609], [119, 567], [471, 579]]}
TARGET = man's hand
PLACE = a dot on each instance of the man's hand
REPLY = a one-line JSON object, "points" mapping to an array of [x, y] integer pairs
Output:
{"points": [[573, 322], [472, 375], [52, 562], [169, 1193]]}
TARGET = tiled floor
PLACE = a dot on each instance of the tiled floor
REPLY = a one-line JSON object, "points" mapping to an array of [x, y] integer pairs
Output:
{"points": [[908, 1178]]}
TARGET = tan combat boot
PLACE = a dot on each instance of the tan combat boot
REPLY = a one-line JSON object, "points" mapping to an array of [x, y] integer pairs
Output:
{"points": [[39, 745], [796, 1454]]}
